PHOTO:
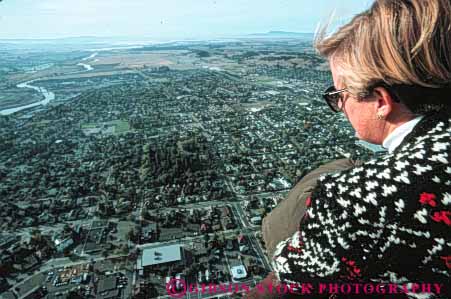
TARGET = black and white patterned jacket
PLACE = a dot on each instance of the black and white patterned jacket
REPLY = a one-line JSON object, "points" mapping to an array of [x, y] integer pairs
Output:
{"points": [[386, 221]]}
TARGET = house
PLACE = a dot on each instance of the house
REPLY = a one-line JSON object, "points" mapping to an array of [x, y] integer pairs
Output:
{"points": [[62, 244], [199, 249], [107, 287], [204, 228], [4, 285], [238, 273], [257, 220], [8, 240], [244, 248], [8, 295], [149, 233], [216, 227], [227, 223], [28, 263]]}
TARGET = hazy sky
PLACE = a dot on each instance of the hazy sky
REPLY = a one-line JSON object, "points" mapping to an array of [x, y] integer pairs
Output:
{"points": [[166, 19]]}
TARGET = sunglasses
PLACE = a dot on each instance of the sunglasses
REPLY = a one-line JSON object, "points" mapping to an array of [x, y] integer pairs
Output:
{"points": [[334, 98]]}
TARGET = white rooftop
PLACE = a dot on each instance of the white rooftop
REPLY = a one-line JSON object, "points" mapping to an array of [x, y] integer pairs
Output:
{"points": [[161, 255], [238, 272]]}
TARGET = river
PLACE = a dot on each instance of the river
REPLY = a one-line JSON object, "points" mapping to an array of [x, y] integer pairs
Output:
{"points": [[86, 66], [48, 95]]}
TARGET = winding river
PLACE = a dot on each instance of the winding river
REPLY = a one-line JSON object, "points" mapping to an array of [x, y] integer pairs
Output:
{"points": [[48, 95], [86, 66]]}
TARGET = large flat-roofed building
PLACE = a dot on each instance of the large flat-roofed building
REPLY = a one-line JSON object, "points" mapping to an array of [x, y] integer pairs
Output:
{"points": [[158, 256]]}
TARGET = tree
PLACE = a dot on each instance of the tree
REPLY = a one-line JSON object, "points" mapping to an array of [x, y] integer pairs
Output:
{"points": [[125, 249], [36, 237], [132, 235], [67, 229], [73, 294], [67, 252]]}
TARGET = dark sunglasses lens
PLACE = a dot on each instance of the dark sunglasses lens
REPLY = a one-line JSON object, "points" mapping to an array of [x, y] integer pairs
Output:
{"points": [[333, 102], [330, 89], [332, 98]]}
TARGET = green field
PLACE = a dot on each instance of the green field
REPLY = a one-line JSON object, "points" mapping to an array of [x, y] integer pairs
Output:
{"points": [[89, 126], [120, 126]]}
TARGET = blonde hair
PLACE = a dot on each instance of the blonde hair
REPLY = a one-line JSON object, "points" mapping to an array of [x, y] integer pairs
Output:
{"points": [[394, 42]]}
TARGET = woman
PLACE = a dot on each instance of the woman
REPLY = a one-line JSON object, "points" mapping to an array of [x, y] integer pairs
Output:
{"points": [[388, 220]]}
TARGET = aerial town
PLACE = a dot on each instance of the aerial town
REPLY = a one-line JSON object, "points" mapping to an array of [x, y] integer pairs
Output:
{"points": [[124, 168]]}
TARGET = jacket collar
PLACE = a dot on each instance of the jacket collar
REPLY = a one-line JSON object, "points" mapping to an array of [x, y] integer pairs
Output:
{"points": [[425, 125], [396, 137]]}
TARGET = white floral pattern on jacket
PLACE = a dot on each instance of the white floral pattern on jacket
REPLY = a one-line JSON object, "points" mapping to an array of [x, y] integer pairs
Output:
{"points": [[388, 220]]}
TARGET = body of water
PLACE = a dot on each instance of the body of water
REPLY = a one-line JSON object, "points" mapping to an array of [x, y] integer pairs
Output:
{"points": [[90, 56], [48, 96], [86, 66]]}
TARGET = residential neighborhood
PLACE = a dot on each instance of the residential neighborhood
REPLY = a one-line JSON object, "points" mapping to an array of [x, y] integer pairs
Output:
{"points": [[142, 171]]}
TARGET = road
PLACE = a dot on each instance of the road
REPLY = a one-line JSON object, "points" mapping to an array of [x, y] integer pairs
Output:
{"points": [[250, 231], [57, 263], [244, 227]]}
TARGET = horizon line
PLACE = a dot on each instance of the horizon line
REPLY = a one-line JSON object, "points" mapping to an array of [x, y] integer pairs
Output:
{"points": [[156, 38]]}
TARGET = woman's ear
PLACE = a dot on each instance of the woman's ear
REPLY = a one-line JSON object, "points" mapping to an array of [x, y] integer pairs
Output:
{"points": [[384, 101]]}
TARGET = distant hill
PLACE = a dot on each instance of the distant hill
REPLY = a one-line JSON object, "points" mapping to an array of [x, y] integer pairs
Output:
{"points": [[282, 34], [65, 40]]}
